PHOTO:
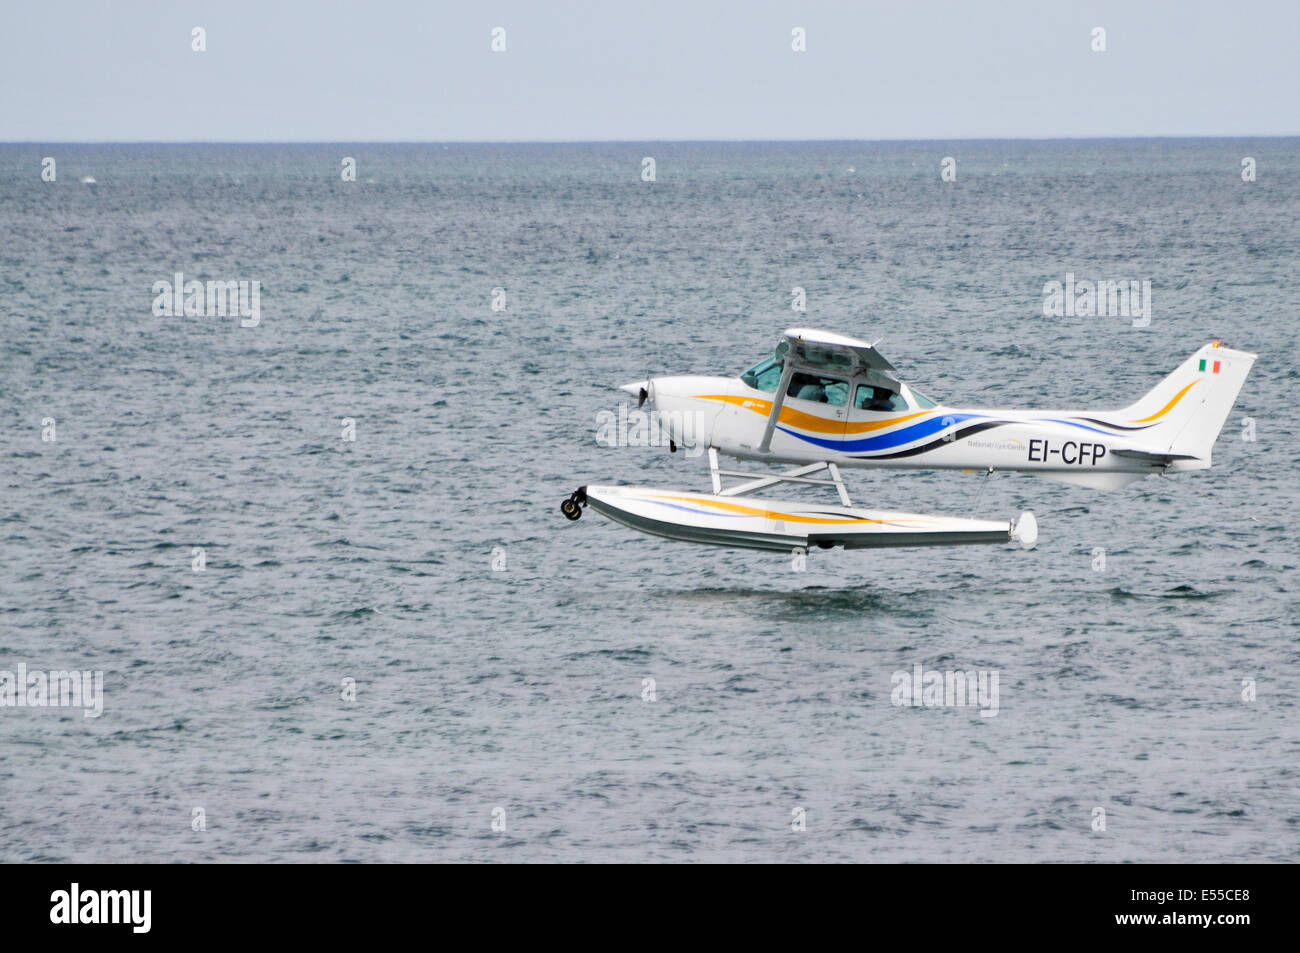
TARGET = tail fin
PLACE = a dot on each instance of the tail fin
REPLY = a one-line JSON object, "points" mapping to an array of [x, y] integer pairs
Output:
{"points": [[1188, 408]]}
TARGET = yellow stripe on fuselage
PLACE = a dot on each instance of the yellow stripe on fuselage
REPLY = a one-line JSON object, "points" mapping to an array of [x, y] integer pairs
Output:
{"points": [[811, 422], [1169, 406]]}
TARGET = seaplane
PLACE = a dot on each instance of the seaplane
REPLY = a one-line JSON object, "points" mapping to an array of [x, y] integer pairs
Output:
{"points": [[824, 402]]}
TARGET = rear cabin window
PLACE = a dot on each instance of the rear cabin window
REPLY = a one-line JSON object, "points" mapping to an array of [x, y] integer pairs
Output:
{"points": [[879, 399]]}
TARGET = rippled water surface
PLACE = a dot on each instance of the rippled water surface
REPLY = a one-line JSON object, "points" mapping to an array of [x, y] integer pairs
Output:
{"points": [[522, 689]]}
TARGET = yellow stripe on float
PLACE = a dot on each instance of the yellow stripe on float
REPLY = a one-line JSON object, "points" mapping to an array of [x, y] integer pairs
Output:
{"points": [[755, 511]]}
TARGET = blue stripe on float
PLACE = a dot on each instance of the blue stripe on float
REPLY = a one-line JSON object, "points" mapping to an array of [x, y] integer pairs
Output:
{"points": [[691, 509]]}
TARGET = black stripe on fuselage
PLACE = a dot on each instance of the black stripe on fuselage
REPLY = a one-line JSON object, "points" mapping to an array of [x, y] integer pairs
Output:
{"points": [[953, 438], [1094, 420]]}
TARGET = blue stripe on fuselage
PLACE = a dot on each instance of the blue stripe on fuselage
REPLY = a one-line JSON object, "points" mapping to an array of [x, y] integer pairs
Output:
{"points": [[917, 431], [1105, 433]]}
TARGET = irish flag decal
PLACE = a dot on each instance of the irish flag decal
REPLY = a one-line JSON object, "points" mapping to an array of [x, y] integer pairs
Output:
{"points": [[1215, 368]]}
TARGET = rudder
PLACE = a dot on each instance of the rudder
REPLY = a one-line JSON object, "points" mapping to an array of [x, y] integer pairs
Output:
{"points": [[1190, 406]]}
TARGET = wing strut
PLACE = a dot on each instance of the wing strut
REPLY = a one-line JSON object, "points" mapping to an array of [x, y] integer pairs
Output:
{"points": [[778, 401], [759, 481]]}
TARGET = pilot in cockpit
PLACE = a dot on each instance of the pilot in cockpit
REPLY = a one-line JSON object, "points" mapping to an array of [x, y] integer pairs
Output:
{"points": [[875, 398]]}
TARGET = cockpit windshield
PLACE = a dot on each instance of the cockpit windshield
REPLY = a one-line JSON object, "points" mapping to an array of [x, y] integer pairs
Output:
{"points": [[764, 376]]}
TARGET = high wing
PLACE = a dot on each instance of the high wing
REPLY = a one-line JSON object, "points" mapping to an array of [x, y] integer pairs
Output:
{"points": [[807, 349], [825, 351]]}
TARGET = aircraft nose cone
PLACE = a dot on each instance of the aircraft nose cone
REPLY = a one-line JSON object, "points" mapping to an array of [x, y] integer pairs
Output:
{"points": [[641, 389]]}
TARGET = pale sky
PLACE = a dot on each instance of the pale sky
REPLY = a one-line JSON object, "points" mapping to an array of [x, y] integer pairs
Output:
{"points": [[406, 70]]}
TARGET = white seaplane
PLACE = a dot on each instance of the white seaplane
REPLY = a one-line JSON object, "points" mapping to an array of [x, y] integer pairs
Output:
{"points": [[825, 401]]}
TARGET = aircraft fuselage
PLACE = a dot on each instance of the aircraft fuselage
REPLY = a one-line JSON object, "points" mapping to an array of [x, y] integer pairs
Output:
{"points": [[1085, 447]]}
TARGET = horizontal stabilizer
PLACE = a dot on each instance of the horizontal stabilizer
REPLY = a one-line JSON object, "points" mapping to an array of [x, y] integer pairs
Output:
{"points": [[1153, 458]]}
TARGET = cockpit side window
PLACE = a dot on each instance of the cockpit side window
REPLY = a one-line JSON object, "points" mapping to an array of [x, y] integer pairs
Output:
{"points": [[822, 390], [764, 376], [880, 399]]}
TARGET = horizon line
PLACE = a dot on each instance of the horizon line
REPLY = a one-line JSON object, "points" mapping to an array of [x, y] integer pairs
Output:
{"points": [[539, 142]]}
